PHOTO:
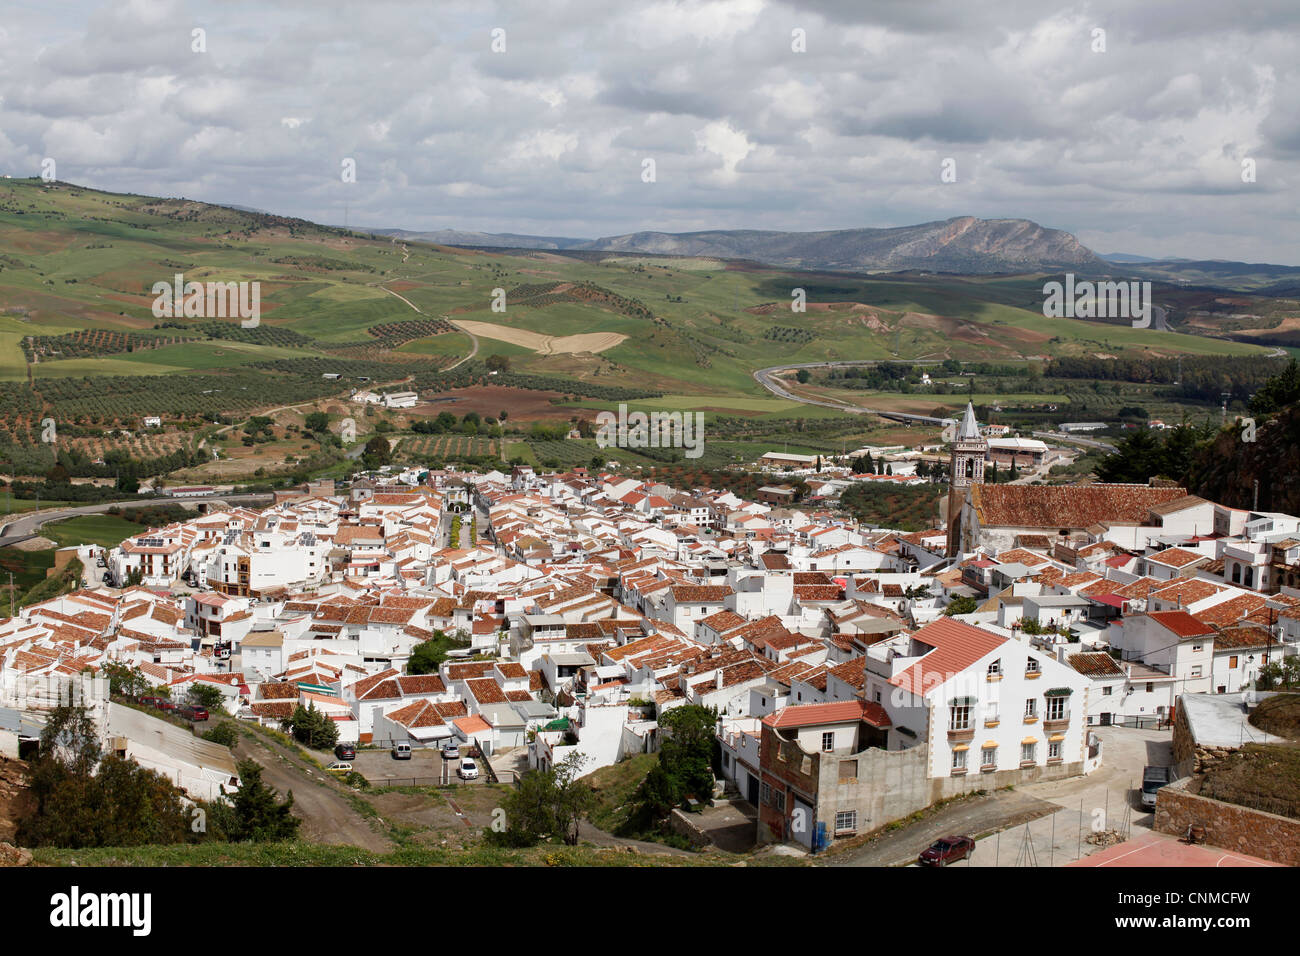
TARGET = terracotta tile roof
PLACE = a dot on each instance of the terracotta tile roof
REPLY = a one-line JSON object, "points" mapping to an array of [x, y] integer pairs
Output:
{"points": [[700, 594], [421, 684], [467, 670], [852, 671], [1095, 665], [473, 724], [723, 621], [1189, 591], [1232, 610], [1176, 557], [1066, 506], [1180, 623], [418, 713], [817, 592], [838, 712], [956, 647], [1021, 556], [276, 708], [1240, 638], [486, 691]]}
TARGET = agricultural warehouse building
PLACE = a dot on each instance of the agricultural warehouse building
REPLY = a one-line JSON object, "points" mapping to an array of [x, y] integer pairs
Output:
{"points": [[401, 399], [776, 459]]}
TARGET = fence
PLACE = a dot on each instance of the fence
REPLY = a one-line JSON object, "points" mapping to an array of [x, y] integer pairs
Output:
{"points": [[408, 782], [1063, 836], [1153, 722]]}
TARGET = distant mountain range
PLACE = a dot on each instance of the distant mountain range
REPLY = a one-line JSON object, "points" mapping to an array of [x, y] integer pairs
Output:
{"points": [[963, 245], [507, 240]]}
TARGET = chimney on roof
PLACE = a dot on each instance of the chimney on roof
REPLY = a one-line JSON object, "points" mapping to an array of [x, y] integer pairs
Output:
{"points": [[718, 680]]}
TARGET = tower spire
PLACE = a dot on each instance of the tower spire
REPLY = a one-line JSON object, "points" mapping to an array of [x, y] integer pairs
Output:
{"points": [[966, 468]]}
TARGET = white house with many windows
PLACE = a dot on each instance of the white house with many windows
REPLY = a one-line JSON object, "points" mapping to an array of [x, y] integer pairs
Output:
{"points": [[981, 702]]}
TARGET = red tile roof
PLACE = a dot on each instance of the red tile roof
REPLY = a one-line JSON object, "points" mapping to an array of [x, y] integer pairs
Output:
{"points": [[956, 647], [1180, 623], [1066, 506], [837, 712]]}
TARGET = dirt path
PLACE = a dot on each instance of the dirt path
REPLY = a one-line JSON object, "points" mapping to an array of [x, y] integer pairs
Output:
{"points": [[590, 834], [472, 337], [327, 816]]}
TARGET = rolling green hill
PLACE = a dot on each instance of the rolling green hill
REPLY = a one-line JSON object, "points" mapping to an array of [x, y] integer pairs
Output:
{"points": [[77, 267]]}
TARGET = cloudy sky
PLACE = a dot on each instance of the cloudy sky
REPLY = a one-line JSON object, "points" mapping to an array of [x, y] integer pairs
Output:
{"points": [[1138, 149]]}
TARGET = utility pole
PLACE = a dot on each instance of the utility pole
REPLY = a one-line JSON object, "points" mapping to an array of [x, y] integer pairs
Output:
{"points": [[1254, 506]]}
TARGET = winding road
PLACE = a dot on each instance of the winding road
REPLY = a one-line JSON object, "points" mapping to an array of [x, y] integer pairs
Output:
{"points": [[26, 526], [767, 378]]}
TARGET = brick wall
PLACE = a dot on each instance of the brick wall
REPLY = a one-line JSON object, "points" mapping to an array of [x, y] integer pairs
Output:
{"points": [[1227, 826]]}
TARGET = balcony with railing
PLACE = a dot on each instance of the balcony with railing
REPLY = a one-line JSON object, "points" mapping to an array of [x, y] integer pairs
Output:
{"points": [[1056, 722], [961, 731]]}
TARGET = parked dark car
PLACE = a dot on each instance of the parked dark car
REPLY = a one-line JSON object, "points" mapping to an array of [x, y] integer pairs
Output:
{"points": [[193, 712], [948, 850], [166, 705], [345, 752]]}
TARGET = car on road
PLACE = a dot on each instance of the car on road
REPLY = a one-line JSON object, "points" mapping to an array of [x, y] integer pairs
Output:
{"points": [[149, 701], [166, 705], [193, 712], [450, 752], [468, 770], [1153, 778], [345, 752], [401, 751], [339, 766], [948, 850]]}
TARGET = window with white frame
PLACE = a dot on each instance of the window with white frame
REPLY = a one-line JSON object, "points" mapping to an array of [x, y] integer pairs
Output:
{"points": [[995, 668], [989, 757], [1031, 708], [1054, 750], [778, 799], [828, 740], [1029, 753], [766, 793], [959, 717], [846, 821], [1031, 666], [959, 760], [1055, 708]]}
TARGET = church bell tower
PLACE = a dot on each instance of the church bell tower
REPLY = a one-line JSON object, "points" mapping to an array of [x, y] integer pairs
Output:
{"points": [[966, 467]]}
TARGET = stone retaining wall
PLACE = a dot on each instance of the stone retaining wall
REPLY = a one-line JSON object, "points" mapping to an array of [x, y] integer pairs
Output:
{"points": [[1228, 826]]}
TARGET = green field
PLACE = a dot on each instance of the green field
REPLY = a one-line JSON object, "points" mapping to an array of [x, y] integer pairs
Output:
{"points": [[77, 268], [105, 530], [85, 259]]}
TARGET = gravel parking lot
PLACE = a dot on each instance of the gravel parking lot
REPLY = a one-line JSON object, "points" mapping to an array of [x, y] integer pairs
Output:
{"points": [[425, 768]]}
